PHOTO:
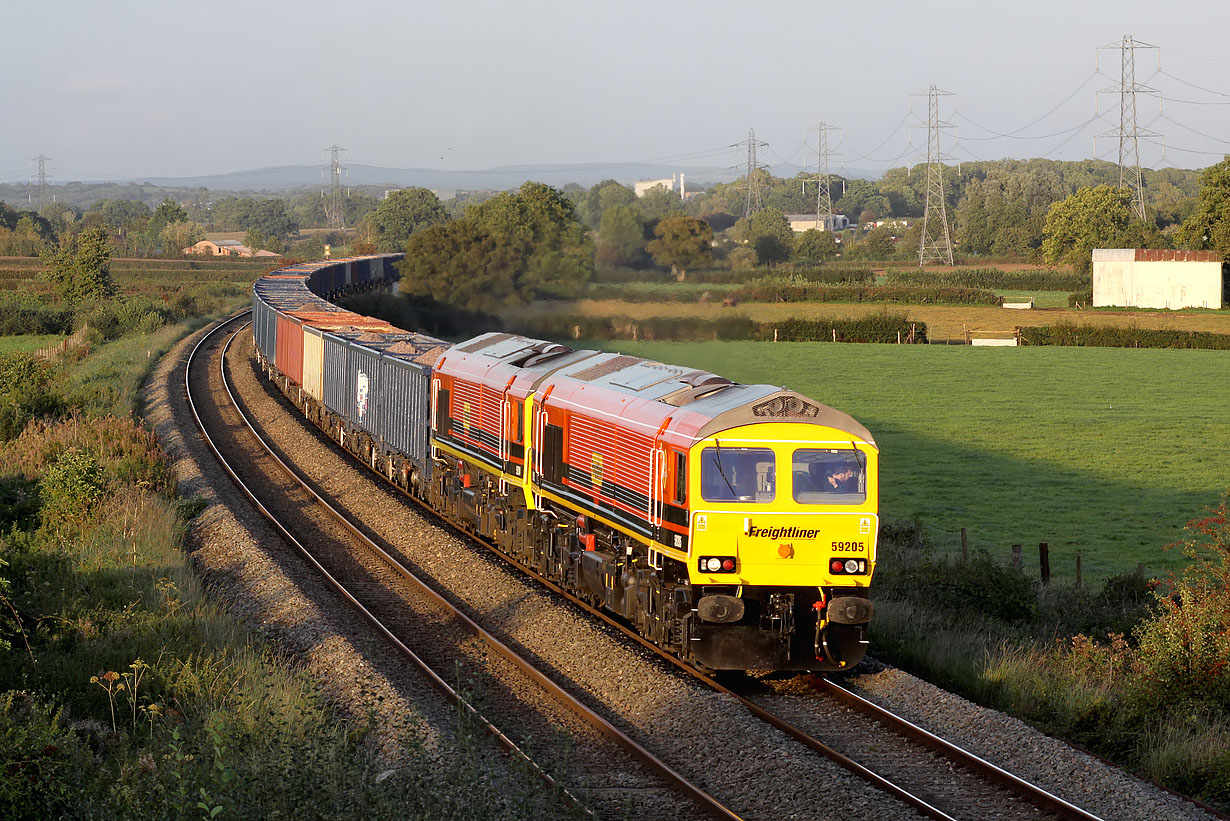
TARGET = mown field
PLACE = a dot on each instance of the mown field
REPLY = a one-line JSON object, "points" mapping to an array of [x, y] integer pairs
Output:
{"points": [[1098, 450], [27, 343]]}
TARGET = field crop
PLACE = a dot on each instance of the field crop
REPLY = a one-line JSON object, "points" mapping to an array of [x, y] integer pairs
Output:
{"points": [[1103, 451]]}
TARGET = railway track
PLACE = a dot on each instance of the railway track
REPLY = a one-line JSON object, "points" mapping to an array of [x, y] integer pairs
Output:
{"points": [[400, 607], [931, 777]]}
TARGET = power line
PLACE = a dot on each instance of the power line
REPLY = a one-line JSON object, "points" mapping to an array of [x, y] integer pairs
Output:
{"points": [[935, 242], [1129, 133], [753, 202], [334, 211], [42, 179]]}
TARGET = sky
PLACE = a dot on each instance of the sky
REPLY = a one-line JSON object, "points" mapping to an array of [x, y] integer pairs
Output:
{"points": [[148, 88]]}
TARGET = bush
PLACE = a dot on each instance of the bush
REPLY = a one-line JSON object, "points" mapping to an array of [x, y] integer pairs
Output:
{"points": [[758, 292], [1185, 647], [1097, 336], [882, 328], [1082, 298], [1036, 279], [72, 486]]}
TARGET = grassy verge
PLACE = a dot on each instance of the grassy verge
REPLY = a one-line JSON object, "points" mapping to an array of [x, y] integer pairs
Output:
{"points": [[1134, 673], [125, 691]]}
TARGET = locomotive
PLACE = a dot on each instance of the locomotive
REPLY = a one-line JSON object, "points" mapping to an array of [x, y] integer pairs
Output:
{"points": [[732, 525]]}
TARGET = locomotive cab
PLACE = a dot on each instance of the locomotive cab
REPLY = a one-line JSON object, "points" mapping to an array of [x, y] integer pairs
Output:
{"points": [[782, 546]]}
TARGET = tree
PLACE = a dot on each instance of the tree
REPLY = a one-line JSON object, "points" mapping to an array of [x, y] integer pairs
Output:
{"points": [[85, 274], [506, 251], [1209, 225], [682, 242], [816, 246], [658, 203], [601, 197], [181, 234], [23, 241], [768, 233], [403, 213], [621, 236], [878, 244], [1090, 218]]}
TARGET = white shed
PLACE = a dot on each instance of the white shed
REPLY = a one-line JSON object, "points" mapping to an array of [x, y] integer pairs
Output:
{"points": [[1158, 278]]}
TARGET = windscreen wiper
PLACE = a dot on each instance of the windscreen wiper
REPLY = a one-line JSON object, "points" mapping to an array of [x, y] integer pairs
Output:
{"points": [[717, 460]]}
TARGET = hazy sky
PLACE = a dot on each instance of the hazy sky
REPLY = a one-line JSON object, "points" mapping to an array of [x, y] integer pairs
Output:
{"points": [[142, 88]]}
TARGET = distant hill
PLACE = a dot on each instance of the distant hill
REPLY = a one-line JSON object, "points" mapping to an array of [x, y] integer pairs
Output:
{"points": [[283, 178]]}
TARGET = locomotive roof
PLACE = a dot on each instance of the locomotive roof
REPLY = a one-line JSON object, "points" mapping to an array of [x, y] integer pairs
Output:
{"points": [[701, 402]]}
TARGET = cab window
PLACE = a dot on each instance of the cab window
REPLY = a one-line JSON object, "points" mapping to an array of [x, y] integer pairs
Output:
{"points": [[737, 475], [829, 477]]}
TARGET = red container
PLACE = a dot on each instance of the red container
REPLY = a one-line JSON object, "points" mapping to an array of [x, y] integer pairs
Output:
{"points": [[290, 348]]}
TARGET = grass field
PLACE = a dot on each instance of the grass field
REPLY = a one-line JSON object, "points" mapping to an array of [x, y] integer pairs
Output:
{"points": [[27, 343], [1104, 451], [943, 321]]}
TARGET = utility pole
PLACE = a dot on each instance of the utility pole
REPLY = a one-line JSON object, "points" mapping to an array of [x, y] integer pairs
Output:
{"points": [[935, 242], [753, 201], [824, 200], [334, 209], [1128, 132], [42, 178]]}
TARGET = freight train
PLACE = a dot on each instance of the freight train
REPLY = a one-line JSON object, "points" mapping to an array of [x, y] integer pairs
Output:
{"points": [[733, 525]]}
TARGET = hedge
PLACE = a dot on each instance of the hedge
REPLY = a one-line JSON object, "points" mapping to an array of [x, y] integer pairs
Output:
{"points": [[869, 293], [1034, 279], [1097, 336], [1083, 298], [886, 328]]}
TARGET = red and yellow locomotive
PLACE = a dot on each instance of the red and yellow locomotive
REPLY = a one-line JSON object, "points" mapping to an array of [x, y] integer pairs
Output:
{"points": [[734, 525]]}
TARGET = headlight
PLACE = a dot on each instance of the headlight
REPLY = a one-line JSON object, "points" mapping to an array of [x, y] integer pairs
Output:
{"points": [[851, 565]]}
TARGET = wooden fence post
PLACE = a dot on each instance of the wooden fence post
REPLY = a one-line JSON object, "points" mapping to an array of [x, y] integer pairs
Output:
{"points": [[964, 547], [1078, 568], [1044, 559], [917, 532], [1016, 556]]}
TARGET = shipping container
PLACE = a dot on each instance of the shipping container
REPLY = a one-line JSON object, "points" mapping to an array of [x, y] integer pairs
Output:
{"points": [[264, 327], [313, 362], [289, 347]]}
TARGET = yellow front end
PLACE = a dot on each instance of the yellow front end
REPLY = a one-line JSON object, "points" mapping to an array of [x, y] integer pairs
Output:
{"points": [[764, 497]]}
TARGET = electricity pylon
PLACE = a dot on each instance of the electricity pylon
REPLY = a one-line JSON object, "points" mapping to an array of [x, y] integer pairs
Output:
{"points": [[1128, 132]]}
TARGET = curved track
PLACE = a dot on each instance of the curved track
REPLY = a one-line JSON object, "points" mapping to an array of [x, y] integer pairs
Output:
{"points": [[356, 590], [980, 783]]}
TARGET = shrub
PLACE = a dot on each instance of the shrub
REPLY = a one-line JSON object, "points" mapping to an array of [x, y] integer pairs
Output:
{"points": [[758, 292], [881, 328], [72, 486], [1185, 647], [1083, 298], [1036, 279], [1097, 336]]}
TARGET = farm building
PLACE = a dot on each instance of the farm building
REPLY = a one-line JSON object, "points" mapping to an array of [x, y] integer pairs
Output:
{"points": [[1158, 278], [226, 248]]}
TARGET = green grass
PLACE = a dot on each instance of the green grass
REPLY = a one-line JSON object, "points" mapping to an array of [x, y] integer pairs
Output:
{"points": [[1103, 451], [1042, 299], [26, 343]]}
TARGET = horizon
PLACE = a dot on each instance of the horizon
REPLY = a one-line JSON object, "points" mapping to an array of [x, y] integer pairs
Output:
{"points": [[156, 92]]}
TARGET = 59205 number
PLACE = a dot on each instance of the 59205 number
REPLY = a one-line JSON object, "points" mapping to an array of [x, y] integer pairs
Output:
{"points": [[848, 547]]}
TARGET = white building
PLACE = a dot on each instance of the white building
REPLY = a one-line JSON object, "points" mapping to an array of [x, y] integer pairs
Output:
{"points": [[672, 183], [827, 222], [1158, 278]]}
